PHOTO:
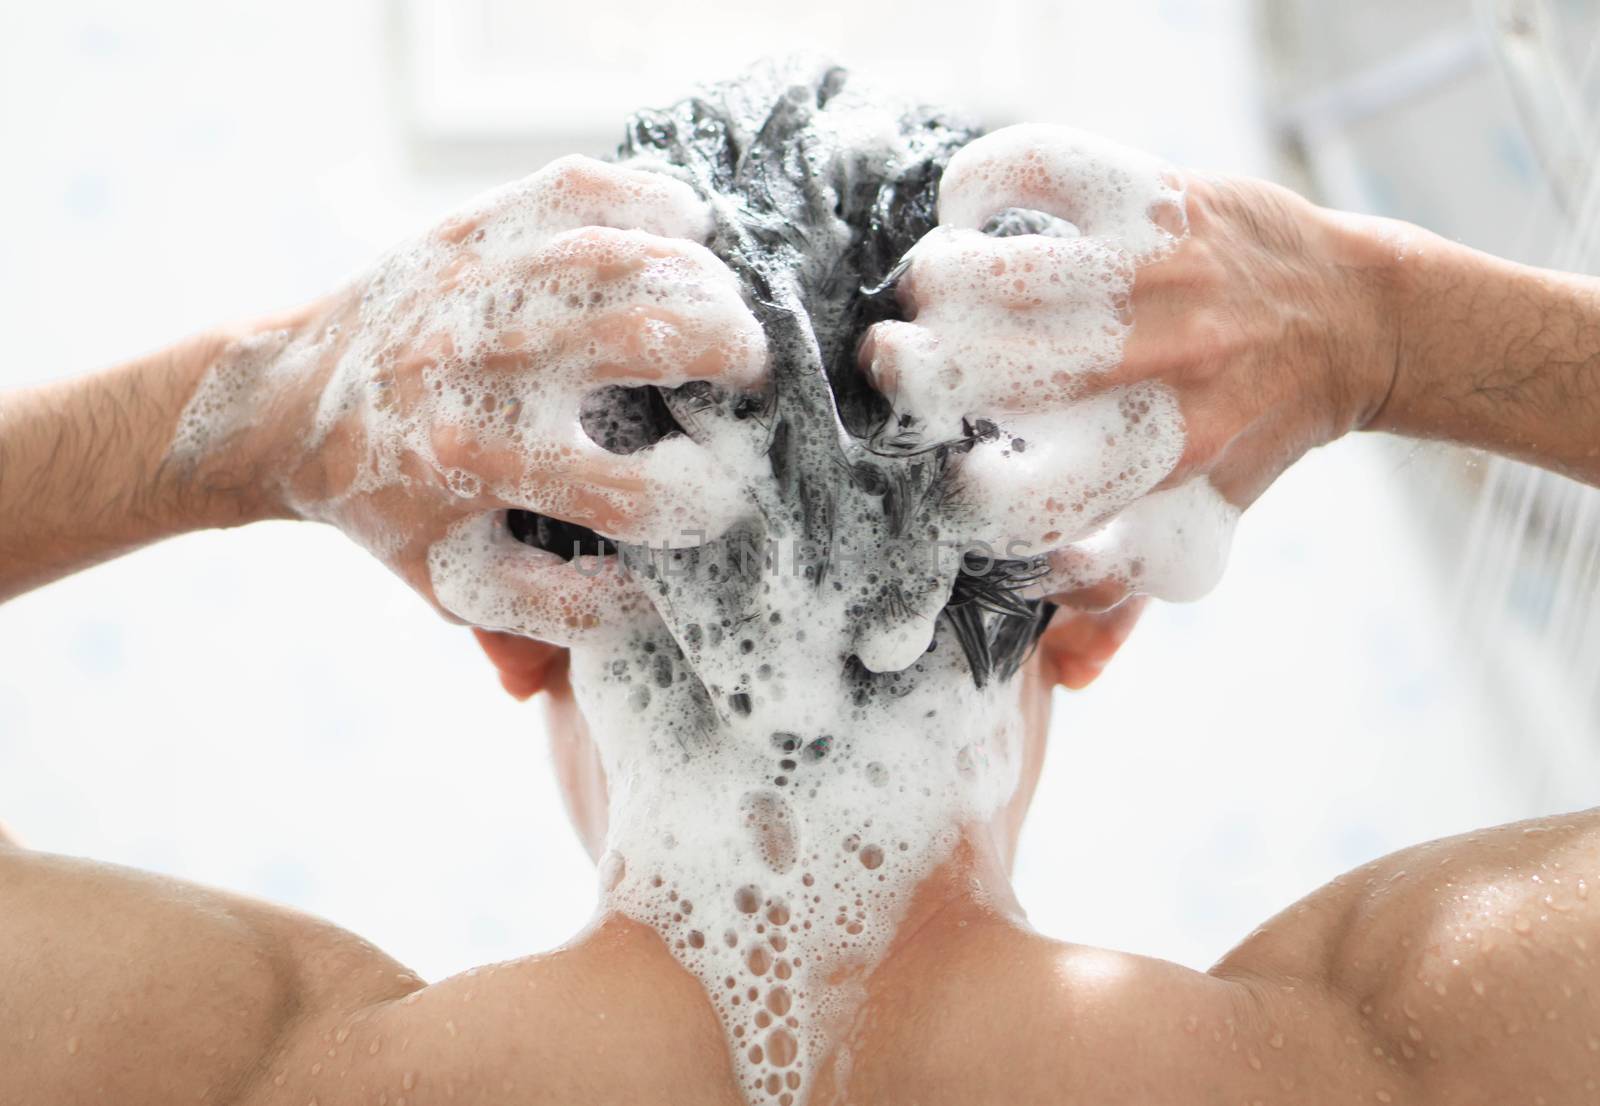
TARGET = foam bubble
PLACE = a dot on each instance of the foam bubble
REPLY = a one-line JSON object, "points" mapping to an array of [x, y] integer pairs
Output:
{"points": [[1020, 306], [1107, 190], [790, 752], [1171, 544]]}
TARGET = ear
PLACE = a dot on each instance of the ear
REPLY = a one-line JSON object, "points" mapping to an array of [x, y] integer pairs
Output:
{"points": [[527, 667], [1079, 644]]}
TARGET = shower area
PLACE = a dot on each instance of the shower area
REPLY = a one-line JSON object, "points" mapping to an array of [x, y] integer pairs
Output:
{"points": [[1405, 645], [1480, 120]]}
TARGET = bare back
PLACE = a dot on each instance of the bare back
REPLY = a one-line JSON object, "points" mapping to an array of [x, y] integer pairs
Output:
{"points": [[1457, 971]]}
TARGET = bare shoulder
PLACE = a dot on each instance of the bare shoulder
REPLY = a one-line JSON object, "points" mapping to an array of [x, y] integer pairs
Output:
{"points": [[134, 988], [1061, 1023], [1467, 963], [610, 1018]]}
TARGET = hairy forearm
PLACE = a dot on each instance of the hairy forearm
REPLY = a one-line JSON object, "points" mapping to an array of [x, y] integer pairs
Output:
{"points": [[86, 471], [1498, 356]]}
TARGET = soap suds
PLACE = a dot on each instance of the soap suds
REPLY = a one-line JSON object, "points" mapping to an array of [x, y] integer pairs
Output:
{"points": [[821, 701], [796, 587]]}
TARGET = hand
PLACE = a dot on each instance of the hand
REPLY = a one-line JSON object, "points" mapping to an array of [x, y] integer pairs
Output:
{"points": [[417, 406], [1150, 357]]}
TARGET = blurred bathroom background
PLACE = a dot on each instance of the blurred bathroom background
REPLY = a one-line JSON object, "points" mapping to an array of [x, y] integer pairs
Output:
{"points": [[1405, 645]]}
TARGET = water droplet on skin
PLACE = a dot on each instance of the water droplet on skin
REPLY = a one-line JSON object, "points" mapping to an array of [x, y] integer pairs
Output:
{"points": [[450, 1027], [1276, 1040], [73, 1043], [409, 1080], [1522, 925], [1383, 1096]]}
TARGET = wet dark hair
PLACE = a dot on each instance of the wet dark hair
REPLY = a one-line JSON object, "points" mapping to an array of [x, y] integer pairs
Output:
{"points": [[817, 236]]}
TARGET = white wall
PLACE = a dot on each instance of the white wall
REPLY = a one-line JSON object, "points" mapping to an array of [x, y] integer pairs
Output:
{"points": [[268, 711]]}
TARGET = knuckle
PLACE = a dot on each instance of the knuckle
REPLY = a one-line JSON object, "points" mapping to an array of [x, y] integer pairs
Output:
{"points": [[1212, 338], [889, 347], [577, 190], [573, 174]]}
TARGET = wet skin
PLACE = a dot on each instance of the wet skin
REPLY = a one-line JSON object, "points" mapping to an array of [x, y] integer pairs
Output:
{"points": [[1455, 972]]}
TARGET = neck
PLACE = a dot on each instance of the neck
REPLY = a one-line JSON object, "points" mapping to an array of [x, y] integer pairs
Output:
{"points": [[974, 883], [964, 908], [779, 855]]}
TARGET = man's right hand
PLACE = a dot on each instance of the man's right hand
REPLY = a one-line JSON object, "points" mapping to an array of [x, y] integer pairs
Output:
{"points": [[1259, 324]]}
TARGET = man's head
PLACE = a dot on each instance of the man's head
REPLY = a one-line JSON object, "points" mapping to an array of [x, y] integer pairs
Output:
{"points": [[853, 530], [811, 708]]}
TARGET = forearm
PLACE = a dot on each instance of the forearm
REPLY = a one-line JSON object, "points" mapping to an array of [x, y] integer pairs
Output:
{"points": [[1498, 356], [87, 473]]}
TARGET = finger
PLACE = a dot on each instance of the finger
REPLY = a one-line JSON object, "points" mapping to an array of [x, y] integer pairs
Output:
{"points": [[642, 344], [1082, 463], [1079, 581], [640, 308], [561, 480], [1001, 325], [1108, 191], [1170, 544], [1024, 277], [675, 493], [944, 378], [1176, 327], [573, 192], [484, 576], [692, 493]]}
